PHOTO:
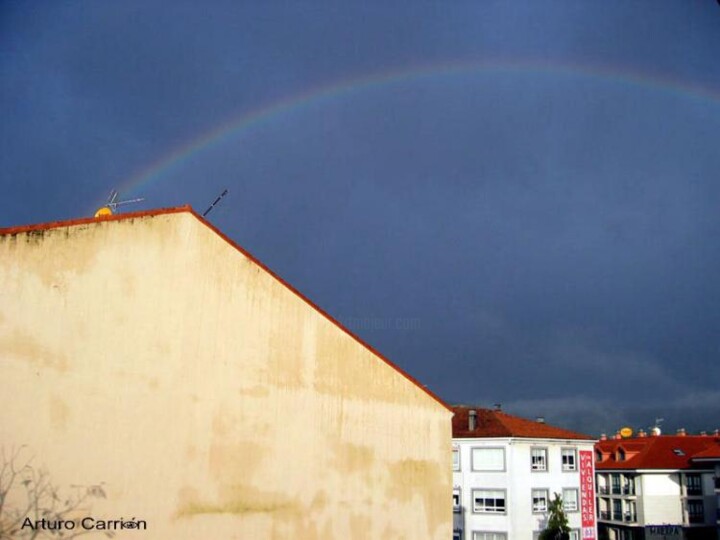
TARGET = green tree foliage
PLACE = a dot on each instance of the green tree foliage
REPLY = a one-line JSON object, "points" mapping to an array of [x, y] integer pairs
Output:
{"points": [[557, 526]]}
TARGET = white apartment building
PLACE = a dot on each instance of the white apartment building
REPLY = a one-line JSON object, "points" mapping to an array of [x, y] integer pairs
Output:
{"points": [[658, 487], [711, 458], [506, 470]]}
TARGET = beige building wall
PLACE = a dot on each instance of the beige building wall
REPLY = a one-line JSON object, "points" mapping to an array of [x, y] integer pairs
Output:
{"points": [[210, 400]]}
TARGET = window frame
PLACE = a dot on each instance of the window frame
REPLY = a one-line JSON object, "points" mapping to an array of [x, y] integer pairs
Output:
{"points": [[473, 467], [456, 465], [457, 491], [577, 500], [497, 535], [546, 492], [573, 451], [697, 503], [693, 484], [491, 512], [544, 449]]}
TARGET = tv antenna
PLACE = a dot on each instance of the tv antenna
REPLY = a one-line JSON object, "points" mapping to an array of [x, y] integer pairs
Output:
{"points": [[112, 204], [655, 430], [206, 212]]}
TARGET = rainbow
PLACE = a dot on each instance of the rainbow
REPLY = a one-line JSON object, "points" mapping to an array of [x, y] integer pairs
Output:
{"points": [[175, 158]]}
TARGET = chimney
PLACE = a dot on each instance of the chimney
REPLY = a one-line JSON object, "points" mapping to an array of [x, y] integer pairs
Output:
{"points": [[681, 432], [617, 435], [703, 433], [641, 433], [540, 419], [603, 437], [716, 433], [472, 420], [498, 406], [655, 432]]}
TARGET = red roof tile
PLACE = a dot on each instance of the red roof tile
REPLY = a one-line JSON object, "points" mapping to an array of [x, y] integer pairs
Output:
{"points": [[660, 452], [188, 209], [494, 423]]}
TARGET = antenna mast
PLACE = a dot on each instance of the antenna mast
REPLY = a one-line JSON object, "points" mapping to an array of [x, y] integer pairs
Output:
{"points": [[112, 204], [206, 212]]}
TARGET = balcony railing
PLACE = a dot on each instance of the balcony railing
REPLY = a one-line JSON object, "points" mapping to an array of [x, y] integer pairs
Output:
{"points": [[630, 517], [617, 516], [694, 491], [696, 518], [604, 514], [604, 490], [628, 489], [616, 490]]}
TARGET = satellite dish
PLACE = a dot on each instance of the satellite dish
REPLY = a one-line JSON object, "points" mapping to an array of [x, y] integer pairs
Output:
{"points": [[626, 432]]}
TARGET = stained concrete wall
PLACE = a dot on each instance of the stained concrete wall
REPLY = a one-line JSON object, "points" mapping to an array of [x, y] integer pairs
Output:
{"points": [[209, 399]]}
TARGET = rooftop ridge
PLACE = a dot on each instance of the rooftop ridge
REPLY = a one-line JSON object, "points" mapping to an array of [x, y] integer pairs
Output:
{"points": [[85, 221]]}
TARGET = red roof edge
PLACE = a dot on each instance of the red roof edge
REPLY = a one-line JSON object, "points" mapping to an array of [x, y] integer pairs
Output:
{"points": [[189, 209], [84, 221]]}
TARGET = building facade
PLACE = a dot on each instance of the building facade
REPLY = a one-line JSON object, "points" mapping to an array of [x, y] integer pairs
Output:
{"points": [[148, 356], [507, 469], [711, 458], [658, 487]]}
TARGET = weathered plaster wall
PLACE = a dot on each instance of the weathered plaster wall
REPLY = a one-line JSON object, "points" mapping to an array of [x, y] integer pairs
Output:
{"points": [[212, 401]]}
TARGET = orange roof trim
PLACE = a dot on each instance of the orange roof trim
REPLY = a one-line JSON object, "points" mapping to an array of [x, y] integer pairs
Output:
{"points": [[188, 209]]}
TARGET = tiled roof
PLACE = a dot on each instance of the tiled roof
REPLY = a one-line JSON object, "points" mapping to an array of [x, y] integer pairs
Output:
{"points": [[495, 423], [660, 452], [712, 453], [189, 210]]}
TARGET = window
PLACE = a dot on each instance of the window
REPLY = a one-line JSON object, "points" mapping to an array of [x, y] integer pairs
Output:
{"points": [[570, 500], [489, 536], [628, 485], [538, 459], [620, 455], [456, 459], [631, 512], [617, 510], [569, 459], [488, 459], [575, 534], [615, 481], [539, 500], [456, 499], [488, 501], [692, 484], [696, 511], [598, 456]]}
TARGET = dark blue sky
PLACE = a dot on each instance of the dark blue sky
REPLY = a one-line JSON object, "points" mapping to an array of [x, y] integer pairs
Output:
{"points": [[525, 213]]}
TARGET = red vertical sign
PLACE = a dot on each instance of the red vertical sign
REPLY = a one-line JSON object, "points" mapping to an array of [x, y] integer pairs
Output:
{"points": [[587, 494]]}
